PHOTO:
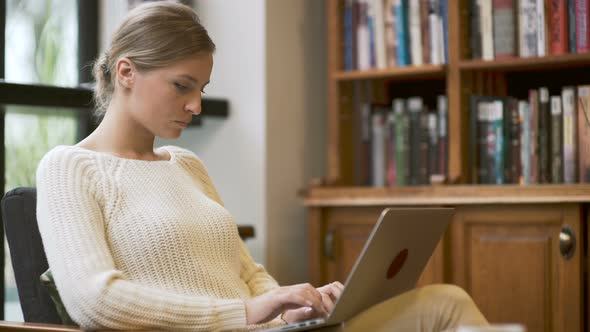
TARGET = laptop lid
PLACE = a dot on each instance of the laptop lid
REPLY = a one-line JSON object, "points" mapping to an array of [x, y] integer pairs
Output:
{"points": [[393, 258]]}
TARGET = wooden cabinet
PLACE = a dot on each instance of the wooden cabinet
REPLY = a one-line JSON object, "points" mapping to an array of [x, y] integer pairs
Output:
{"points": [[508, 258], [504, 252]]}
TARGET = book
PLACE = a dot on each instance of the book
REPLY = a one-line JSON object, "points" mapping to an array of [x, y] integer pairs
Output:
{"points": [[525, 140], [571, 25], [504, 28], [558, 27], [401, 29], [487, 29], [527, 29], [363, 37], [544, 134], [432, 124], [513, 137], [378, 147], [415, 33], [475, 29], [556, 140], [542, 28], [349, 59], [534, 130], [401, 142], [443, 137], [435, 32], [584, 133], [570, 129], [425, 31], [379, 31], [582, 30], [390, 34], [415, 138]]}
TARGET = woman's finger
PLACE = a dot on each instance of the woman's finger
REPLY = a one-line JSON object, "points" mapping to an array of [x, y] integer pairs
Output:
{"points": [[328, 303]]}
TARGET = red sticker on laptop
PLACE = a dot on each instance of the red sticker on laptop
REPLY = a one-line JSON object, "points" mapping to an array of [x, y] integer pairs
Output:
{"points": [[397, 263]]}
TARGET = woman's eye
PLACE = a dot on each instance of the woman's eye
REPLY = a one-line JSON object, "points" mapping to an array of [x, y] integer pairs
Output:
{"points": [[180, 87]]}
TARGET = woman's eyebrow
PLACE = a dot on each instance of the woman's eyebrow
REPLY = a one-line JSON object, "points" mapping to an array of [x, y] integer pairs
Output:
{"points": [[190, 78]]}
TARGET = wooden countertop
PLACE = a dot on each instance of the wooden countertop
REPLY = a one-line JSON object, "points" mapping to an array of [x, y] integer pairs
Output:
{"points": [[447, 195]]}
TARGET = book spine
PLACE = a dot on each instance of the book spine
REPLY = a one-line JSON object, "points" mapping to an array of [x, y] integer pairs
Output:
{"points": [[435, 33], [487, 30], [484, 143], [423, 163], [475, 37], [500, 145], [432, 144], [391, 146], [348, 34], [401, 30], [556, 140], [379, 26], [542, 28], [415, 33], [582, 26], [371, 26], [514, 164], [544, 136], [390, 36], [414, 111], [571, 25], [584, 133], [474, 116], [525, 139], [363, 37], [504, 29], [558, 27], [401, 142], [425, 31], [570, 162], [444, 12], [528, 21], [443, 137], [378, 147], [534, 130]]}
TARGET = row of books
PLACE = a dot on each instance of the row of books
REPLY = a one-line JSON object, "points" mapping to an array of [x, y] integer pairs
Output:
{"points": [[389, 33], [545, 139], [528, 28], [403, 144]]}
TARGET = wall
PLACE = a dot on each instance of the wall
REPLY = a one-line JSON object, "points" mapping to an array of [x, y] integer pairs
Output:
{"points": [[296, 142]]}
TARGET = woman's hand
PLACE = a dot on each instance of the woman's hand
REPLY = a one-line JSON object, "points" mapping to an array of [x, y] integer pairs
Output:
{"points": [[263, 308], [330, 293]]}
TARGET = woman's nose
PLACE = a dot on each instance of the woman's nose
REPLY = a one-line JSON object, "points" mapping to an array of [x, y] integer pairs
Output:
{"points": [[194, 105]]}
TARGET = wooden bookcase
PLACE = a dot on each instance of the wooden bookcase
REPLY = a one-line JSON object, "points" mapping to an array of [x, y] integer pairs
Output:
{"points": [[503, 246]]}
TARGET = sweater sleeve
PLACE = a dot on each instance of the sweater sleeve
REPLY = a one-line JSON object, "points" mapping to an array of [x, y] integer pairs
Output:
{"points": [[94, 292]]}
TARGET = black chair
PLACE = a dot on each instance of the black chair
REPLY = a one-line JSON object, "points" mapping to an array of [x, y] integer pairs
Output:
{"points": [[19, 212], [19, 208]]}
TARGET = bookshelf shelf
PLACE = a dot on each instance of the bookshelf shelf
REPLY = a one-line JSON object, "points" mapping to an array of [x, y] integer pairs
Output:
{"points": [[529, 64], [401, 73], [448, 195]]}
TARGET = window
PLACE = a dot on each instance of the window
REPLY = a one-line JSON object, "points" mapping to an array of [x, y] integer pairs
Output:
{"points": [[41, 105]]}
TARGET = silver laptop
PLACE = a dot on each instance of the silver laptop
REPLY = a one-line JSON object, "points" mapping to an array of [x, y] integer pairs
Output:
{"points": [[390, 263]]}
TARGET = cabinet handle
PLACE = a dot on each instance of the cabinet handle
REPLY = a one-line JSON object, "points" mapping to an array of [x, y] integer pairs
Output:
{"points": [[567, 242], [329, 244]]}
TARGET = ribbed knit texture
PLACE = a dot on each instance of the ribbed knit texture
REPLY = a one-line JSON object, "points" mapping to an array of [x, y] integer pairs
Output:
{"points": [[138, 244]]}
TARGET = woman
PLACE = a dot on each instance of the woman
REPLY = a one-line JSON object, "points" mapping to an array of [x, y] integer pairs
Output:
{"points": [[138, 238]]}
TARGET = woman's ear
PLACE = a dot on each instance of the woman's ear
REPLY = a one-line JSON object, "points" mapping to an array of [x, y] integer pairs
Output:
{"points": [[125, 71]]}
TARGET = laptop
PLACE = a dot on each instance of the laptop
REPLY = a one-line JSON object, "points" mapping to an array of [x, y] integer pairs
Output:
{"points": [[391, 262]]}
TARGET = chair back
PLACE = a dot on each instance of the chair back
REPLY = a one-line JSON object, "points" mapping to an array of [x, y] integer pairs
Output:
{"points": [[19, 214]]}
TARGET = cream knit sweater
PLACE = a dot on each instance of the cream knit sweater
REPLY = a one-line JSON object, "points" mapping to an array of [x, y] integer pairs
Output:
{"points": [[136, 244]]}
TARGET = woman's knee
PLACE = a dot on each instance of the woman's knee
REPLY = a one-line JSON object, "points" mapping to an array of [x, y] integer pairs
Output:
{"points": [[446, 293]]}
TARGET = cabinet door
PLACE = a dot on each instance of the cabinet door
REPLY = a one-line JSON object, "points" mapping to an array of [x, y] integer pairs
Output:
{"points": [[508, 258]]}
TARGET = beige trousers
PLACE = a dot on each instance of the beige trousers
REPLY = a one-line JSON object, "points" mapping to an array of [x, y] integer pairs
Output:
{"points": [[432, 308]]}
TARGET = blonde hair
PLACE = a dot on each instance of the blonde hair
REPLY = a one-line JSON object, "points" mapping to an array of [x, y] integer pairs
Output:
{"points": [[153, 35]]}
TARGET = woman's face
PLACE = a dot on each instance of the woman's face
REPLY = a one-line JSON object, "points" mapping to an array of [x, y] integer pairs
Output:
{"points": [[164, 100]]}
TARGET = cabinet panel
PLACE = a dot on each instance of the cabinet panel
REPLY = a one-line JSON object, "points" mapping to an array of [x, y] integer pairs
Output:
{"points": [[508, 259]]}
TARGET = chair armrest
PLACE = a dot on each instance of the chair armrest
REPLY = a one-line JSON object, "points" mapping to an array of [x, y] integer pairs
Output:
{"points": [[20, 326], [245, 231]]}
